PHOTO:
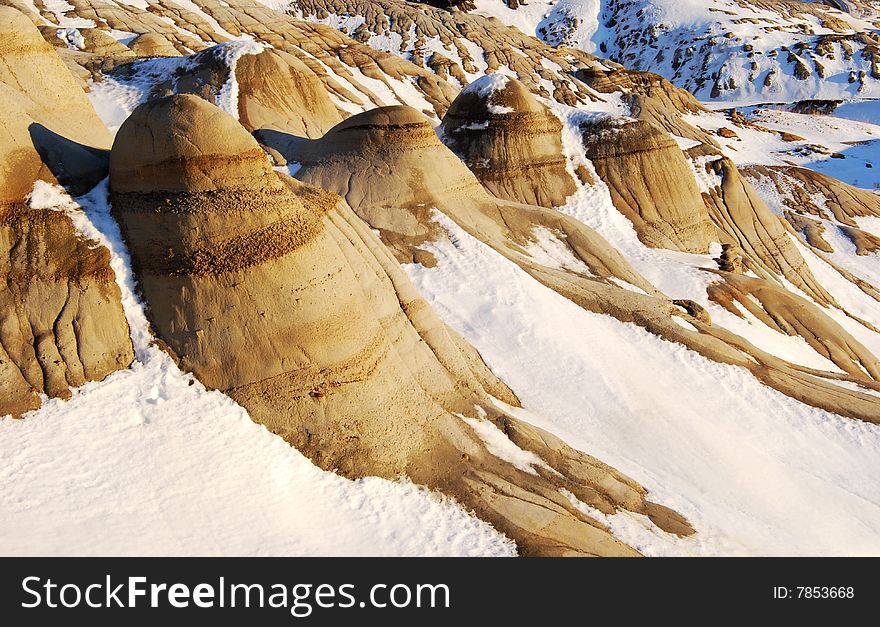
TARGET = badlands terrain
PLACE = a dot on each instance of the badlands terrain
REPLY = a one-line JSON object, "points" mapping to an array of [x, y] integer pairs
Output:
{"points": [[372, 277]]}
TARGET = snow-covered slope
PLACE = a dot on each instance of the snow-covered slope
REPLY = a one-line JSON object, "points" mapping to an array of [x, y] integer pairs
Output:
{"points": [[778, 51], [758, 473], [741, 460]]}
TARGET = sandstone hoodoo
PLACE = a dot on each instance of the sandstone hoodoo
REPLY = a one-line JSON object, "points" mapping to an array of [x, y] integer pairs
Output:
{"points": [[61, 320], [510, 141], [651, 183], [393, 171], [277, 294]]}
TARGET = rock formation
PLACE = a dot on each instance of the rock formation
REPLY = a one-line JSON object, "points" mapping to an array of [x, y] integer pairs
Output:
{"points": [[651, 183], [61, 322], [745, 219], [791, 314], [391, 168], [270, 89], [510, 141], [277, 294]]}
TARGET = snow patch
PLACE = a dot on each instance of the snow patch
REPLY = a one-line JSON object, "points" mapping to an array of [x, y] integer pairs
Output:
{"points": [[503, 448]]}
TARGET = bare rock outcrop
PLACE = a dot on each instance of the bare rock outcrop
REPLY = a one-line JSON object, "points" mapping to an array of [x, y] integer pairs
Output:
{"points": [[791, 314], [651, 183], [49, 93], [277, 294], [153, 45], [744, 219], [392, 169], [510, 141], [61, 320], [807, 191], [270, 89]]}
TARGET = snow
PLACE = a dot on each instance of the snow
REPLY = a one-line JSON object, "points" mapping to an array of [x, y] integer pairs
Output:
{"points": [[149, 462], [501, 446], [525, 17], [487, 85], [230, 53], [676, 274], [72, 38], [189, 5], [290, 169], [548, 249], [739, 460], [860, 111], [114, 98], [691, 42], [854, 144]]}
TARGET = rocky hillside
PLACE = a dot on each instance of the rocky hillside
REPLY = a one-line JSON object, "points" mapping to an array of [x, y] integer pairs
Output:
{"points": [[416, 242], [732, 50]]}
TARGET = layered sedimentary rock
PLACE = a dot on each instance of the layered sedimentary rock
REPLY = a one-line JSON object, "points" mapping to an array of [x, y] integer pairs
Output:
{"points": [[153, 45], [791, 314], [61, 321], [270, 89], [392, 169], [510, 141], [807, 191], [743, 218], [277, 294], [651, 183]]}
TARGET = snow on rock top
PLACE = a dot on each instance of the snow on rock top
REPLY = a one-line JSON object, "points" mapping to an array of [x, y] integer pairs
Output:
{"points": [[487, 86], [229, 53]]}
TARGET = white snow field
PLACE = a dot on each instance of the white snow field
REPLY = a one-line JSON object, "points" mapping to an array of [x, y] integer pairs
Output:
{"points": [[756, 472], [148, 462]]}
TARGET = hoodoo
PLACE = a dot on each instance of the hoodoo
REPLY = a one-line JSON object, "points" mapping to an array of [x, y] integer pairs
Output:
{"points": [[275, 293], [510, 141]]}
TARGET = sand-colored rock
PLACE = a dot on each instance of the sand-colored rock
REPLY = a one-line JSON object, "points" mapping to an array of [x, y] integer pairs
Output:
{"points": [[278, 91], [651, 183], [61, 320], [96, 41], [153, 45], [791, 314], [510, 141], [807, 191], [392, 170], [744, 219], [50, 94], [651, 98], [61, 323], [811, 230], [278, 295]]}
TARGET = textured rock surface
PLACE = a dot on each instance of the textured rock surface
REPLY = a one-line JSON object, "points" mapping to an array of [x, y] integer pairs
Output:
{"points": [[61, 321], [651, 183], [392, 169], [390, 166], [788, 313], [510, 141], [744, 219], [278, 295], [29, 64]]}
